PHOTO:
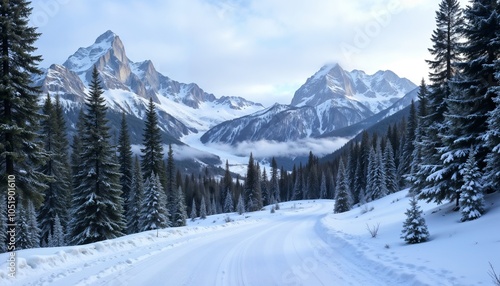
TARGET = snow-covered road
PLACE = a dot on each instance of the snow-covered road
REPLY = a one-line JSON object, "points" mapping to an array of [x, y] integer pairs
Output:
{"points": [[290, 247]]}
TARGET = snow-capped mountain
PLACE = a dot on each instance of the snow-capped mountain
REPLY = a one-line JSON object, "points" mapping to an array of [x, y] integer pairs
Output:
{"points": [[329, 100], [182, 108]]}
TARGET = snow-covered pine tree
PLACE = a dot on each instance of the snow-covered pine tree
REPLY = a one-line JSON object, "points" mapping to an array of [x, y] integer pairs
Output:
{"points": [[376, 176], [179, 216], [76, 146], [213, 206], [97, 207], [125, 160], [228, 203], [414, 227], [253, 195], [389, 164], [193, 211], [471, 198], [22, 151], [57, 196], [134, 201], [274, 183], [34, 230], [472, 102], [203, 208], [411, 126], [492, 138], [240, 207], [264, 187], [323, 192], [57, 237], [154, 214], [431, 177], [417, 175], [22, 228], [152, 153], [170, 180], [343, 197]]}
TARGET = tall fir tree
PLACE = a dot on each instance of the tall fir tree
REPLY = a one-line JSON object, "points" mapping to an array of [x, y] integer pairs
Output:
{"points": [[152, 152], [203, 208], [323, 192], [343, 198], [125, 160], [97, 212], [469, 107], [57, 195], [170, 181], [492, 139], [274, 181], [240, 207], [228, 203], [377, 187], [471, 199], [154, 214], [391, 180], [58, 235], [414, 227], [432, 177], [253, 195], [193, 210], [179, 216], [21, 151], [134, 201]]}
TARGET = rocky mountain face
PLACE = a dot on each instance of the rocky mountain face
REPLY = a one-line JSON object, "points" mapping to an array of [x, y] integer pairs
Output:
{"points": [[330, 100], [182, 108]]}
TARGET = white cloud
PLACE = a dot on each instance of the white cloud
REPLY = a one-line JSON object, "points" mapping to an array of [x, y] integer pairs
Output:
{"points": [[267, 149]]}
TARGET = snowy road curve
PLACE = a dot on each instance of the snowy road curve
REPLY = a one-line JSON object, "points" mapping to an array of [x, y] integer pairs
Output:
{"points": [[287, 248]]}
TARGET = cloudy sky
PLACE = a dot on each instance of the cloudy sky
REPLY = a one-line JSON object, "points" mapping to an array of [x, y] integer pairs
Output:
{"points": [[262, 50]]}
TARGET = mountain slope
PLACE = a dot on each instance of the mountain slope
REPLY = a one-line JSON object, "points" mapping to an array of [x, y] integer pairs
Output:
{"points": [[182, 108], [330, 100]]}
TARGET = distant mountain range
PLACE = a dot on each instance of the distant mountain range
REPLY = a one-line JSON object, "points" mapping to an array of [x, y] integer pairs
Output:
{"points": [[331, 100]]}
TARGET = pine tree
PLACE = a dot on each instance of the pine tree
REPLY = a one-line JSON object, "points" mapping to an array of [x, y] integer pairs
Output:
{"points": [[227, 182], [152, 157], [492, 138], [264, 187], [134, 201], [21, 151], [274, 182], [22, 229], [411, 127], [414, 227], [125, 160], [432, 178], [57, 196], [170, 181], [390, 169], [323, 191], [472, 101], [228, 203], [203, 208], [376, 176], [76, 146], [240, 208], [253, 195], [418, 173], [471, 199], [97, 204], [154, 214], [57, 236], [179, 216], [193, 211], [343, 198]]}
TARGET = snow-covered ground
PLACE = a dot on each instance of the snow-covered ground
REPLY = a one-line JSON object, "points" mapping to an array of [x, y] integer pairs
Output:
{"points": [[303, 243]]}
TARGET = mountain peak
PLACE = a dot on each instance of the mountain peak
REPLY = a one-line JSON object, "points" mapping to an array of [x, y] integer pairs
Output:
{"points": [[108, 36]]}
